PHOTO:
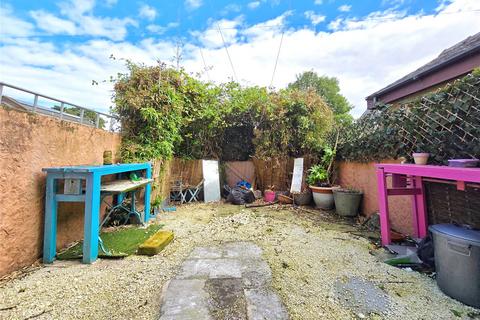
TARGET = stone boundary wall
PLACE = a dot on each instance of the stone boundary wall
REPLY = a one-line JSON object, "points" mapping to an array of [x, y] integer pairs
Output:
{"points": [[362, 176], [28, 143]]}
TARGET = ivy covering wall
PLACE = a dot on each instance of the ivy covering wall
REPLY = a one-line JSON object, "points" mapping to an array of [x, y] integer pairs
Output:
{"points": [[167, 112], [445, 123]]}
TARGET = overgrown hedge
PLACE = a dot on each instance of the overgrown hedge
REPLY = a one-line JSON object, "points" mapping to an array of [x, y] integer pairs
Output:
{"points": [[165, 112], [445, 123]]}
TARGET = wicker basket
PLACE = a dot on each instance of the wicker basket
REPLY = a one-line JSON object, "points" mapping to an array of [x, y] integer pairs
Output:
{"points": [[284, 199]]}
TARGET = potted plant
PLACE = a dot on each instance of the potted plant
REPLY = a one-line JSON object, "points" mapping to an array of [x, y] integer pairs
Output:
{"points": [[347, 201], [319, 179], [420, 157]]}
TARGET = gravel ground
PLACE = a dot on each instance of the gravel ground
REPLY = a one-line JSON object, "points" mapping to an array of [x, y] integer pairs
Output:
{"points": [[310, 258]]}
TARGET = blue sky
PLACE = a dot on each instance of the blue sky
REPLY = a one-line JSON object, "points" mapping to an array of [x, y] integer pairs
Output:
{"points": [[59, 47]]}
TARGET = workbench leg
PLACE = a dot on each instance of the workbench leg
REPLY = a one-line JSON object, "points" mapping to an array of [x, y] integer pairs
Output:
{"points": [[421, 208], [416, 232], [50, 228], [383, 207], [92, 218], [148, 189]]}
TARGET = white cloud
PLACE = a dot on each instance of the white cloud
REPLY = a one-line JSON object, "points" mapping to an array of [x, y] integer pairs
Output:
{"points": [[253, 5], [365, 54], [212, 38], [78, 19], [11, 26], [147, 12], [52, 24], [112, 28], [155, 28], [318, 2], [193, 4], [314, 18], [266, 30], [335, 24], [394, 3], [75, 8], [345, 8], [232, 7], [371, 20]]}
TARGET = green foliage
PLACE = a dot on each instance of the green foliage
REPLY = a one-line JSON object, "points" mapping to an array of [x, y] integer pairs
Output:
{"points": [[149, 102], [445, 123], [320, 173], [165, 112], [317, 174], [329, 89], [292, 123]]}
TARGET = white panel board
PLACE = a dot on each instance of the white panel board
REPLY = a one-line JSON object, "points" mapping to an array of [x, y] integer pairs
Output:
{"points": [[297, 175], [211, 182]]}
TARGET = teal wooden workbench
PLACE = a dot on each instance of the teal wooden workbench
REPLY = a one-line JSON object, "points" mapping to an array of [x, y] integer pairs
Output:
{"points": [[91, 197]]}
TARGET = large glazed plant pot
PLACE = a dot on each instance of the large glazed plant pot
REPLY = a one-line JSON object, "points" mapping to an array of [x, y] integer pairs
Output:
{"points": [[347, 202], [323, 197]]}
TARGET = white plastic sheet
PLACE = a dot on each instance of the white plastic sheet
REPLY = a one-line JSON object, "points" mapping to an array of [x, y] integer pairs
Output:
{"points": [[211, 184], [297, 175]]}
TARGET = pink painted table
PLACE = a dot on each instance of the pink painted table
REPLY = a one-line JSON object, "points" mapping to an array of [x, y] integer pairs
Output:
{"points": [[407, 179]]}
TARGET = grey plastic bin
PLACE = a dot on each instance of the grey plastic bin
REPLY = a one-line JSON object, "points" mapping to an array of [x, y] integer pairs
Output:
{"points": [[457, 262]]}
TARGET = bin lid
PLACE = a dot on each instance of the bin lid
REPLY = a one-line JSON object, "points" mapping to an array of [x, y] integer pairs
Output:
{"points": [[458, 232]]}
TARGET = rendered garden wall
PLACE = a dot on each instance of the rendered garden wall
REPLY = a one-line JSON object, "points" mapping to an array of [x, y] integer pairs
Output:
{"points": [[28, 143], [445, 123]]}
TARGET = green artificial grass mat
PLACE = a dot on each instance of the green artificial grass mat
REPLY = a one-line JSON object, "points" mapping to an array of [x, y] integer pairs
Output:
{"points": [[120, 242]]}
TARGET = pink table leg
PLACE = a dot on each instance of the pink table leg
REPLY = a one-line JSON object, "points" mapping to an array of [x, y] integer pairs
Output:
{"points": [[421, 208], [383, 206], [414, 209]]}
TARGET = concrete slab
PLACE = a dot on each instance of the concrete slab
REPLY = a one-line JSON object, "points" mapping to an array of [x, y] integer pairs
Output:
{"points": [[210, 268], [227, 300], [206, 253], [255, 273], [264, 304], [185, 299], [230, 281]]}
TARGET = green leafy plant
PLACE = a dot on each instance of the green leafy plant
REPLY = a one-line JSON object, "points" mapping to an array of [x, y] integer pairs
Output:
{"points": [[166, 112], [320, 174], [317, 174]]}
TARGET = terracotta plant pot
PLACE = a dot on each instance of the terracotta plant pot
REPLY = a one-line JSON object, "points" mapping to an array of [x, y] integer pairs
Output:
{"points": [[421, 157], [323, 197]]}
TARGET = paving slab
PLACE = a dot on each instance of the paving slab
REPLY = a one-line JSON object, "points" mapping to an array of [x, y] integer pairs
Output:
{"points": [[210, 268], [206, 253], [228, 281], [264, 304], [227, 300], [185, 299]]}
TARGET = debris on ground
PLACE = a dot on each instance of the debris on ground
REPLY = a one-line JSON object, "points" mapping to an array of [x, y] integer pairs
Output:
{"points": [[309, 252]]}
